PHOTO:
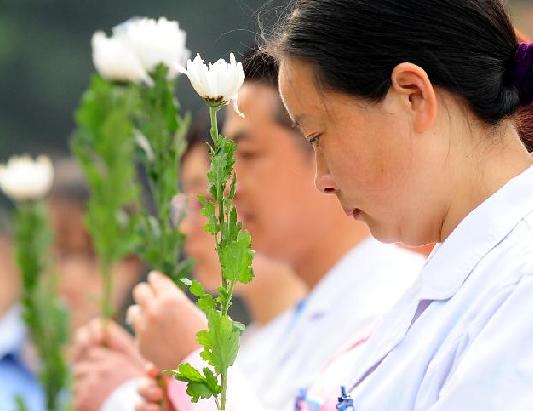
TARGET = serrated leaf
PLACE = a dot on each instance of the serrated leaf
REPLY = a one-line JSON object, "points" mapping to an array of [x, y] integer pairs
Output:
{"points": [[197, 390], [236, 259], [220, 342], [206, 303], [187, 373], [212, 381], [197, 289]]}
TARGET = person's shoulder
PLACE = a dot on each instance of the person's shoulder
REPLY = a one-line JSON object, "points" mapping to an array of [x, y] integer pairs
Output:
{"points": [[512, 258]]}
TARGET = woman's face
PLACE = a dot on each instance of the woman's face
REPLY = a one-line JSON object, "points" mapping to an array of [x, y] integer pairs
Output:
{"points": [[369, 155], [199, 245]]}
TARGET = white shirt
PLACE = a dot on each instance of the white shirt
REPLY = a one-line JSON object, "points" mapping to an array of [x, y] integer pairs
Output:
{"points": [[357, 291], [12, 331], [259, 339], [471, 347]]}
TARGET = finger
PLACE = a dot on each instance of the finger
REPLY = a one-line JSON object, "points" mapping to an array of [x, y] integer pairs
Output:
{"points": [[143, 295], [100, 354], [96, 329], [82, 369], [81, 339], [151, 394], [147, 383], [116, 338], [151, 371], [132, 314], [160, 283], [143, 406]]}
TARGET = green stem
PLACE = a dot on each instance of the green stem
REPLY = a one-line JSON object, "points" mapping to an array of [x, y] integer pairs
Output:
{"points": [[213, 110], [223, 394], [227, 303], [107, 290]]}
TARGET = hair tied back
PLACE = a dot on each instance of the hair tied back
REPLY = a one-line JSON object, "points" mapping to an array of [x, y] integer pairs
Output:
{"points": [[524, 72]]}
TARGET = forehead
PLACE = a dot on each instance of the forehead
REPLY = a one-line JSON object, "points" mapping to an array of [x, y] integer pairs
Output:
{"points": [[259, 103], [299, 90], [310, 104], [194, 169]]}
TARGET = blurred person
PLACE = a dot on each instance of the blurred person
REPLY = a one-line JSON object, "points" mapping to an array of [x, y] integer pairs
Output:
{"points": [[80, 281], [17, 367], [271, 278], [353, 279]]}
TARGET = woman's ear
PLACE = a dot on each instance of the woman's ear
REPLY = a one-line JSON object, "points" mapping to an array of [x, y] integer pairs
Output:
{"points": [[412, 83]]}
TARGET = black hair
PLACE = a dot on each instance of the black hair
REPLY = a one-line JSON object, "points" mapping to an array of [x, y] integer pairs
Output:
{"points": [[467, 47], [262, 68]]}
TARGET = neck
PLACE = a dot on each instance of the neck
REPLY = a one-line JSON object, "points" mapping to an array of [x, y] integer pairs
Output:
{"points": [[490, 171], [325, 253]]}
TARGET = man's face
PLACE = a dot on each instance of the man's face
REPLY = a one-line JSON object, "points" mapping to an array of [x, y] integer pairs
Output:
{"points": [[276, 197]]}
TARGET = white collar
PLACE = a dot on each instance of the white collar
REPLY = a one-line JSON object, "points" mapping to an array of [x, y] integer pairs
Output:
{"points": [[12, 332], [475, 236]]}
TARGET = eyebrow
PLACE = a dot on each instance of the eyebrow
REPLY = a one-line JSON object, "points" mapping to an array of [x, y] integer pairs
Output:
{"points": [[239, 136]]}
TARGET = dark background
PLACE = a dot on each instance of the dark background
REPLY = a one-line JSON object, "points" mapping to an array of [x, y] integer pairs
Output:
{"points": [[45, 55]]}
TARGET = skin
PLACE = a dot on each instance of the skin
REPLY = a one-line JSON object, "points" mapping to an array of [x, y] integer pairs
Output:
{"points": [[275, 196], [199, 245], [9, 278], [104, 358], [271, 276], [413, 165]]}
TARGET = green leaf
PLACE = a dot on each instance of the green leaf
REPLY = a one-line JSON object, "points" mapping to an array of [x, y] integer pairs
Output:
{"points": [[236, 259], [208, 210], [206, 303], [220, 342], [197, 289], [197, 390], [187, 373], [212, 381]]}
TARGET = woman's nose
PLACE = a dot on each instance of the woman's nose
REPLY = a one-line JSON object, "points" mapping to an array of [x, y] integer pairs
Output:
{"points": [[323, 179]]}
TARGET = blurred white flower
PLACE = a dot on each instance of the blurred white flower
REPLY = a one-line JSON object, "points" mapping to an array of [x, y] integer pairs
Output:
{"points": [[154, 42], [25, 179], [218, 83], [115, 60], [137, 46]]}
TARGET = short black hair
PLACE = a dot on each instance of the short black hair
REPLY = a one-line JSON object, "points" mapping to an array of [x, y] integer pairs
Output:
{"points": [[262, 68]]}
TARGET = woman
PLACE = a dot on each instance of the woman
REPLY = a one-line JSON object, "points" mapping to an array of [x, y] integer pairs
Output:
{"points": [[410, 107]]}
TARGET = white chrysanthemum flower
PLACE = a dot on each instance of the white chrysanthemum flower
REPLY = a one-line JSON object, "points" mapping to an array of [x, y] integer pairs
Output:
{"points": [[154, 42], [25, 179], [115, 60], [218, 83]]}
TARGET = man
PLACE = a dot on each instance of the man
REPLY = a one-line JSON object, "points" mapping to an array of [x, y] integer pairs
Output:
{"points": [[353, 279]]}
